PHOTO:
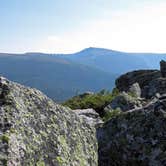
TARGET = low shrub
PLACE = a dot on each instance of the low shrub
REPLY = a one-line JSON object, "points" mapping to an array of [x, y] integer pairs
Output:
{"points": [[97, 101]]}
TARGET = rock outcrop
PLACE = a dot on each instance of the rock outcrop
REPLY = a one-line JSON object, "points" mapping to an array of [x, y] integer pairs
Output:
{"points": [[149, 81], [135, 138], [36, 131], [142, 77]]}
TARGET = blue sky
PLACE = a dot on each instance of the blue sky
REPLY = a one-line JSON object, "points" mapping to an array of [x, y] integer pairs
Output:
{"points": [[71, 25]]}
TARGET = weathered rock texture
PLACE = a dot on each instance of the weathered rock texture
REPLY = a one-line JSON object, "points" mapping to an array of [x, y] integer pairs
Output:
{"points": [[135, 138], [90, 116], [135, 90], [143, 78], [124, 102], [36, 131]]}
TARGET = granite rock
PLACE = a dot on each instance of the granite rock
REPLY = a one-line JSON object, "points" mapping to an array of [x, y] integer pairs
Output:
{"points": [[35, 131]]}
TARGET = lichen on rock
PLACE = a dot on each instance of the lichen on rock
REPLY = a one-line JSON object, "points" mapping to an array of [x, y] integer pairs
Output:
{"points": [[36, 131], [135, 138]]}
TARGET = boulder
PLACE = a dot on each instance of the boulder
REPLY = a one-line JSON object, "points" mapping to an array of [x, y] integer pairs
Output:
{"points": [[156, 86], [36, 131], [149, 81], [141, 77], [124, 102], [135, 138], [90, 115]]}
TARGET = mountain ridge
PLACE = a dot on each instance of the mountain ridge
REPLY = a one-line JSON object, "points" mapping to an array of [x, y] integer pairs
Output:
{"points": [[85, 49], [91, 69]]}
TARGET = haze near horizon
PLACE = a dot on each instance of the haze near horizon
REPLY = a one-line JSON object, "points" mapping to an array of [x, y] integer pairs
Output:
{"points": [[54, 26]]}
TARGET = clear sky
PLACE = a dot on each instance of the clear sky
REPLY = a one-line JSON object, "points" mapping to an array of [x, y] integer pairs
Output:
{"points": [[67, 26]]}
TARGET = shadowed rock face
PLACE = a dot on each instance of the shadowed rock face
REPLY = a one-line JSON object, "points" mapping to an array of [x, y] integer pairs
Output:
{"points": [[150, 81], [135, 138], [163, 68], [142, 77], [36, 131]]}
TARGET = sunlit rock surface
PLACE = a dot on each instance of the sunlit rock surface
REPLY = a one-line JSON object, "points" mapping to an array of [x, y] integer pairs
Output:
{"points": [[36, 131]]}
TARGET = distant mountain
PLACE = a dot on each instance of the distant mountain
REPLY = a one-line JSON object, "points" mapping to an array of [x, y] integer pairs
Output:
{"points": [[59, 78], [114, 61]]}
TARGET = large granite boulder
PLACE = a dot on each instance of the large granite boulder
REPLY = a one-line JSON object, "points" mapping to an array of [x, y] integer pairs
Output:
{"points": [[36, 131], [136, 137]]}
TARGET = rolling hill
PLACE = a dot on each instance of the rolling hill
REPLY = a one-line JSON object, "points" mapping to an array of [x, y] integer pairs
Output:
{"points": [[57, 77]]}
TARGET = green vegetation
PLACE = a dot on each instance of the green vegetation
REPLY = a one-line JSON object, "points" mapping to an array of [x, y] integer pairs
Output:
{"points": [[40, 163], [59, 160], [4, 161], [111, 114], [96, 101], [5, 138]]}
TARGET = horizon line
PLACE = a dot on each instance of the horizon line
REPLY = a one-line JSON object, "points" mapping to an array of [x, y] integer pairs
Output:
{"points": [[99, 48]]}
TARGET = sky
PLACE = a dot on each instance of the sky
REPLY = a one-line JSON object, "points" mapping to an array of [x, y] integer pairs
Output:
{"points": [[66, 26]]}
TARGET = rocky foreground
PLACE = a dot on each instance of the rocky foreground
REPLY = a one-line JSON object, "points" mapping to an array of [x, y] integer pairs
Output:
{"points": [[36, 131]]}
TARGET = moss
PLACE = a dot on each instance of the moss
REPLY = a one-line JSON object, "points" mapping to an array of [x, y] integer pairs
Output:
{"points": [[4, 161], [111, 114], [132, 94], [44, 134], [123, 141], [40, 163], [59, 160], [5, 138], [12, 130], [62, 139]]}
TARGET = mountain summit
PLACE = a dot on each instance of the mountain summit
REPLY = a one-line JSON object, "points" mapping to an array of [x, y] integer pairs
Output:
{"points": [[96, 51]]}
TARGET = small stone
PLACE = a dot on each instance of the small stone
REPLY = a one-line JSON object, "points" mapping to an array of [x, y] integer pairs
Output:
{"points": [[90, 115], [135, 90]]}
